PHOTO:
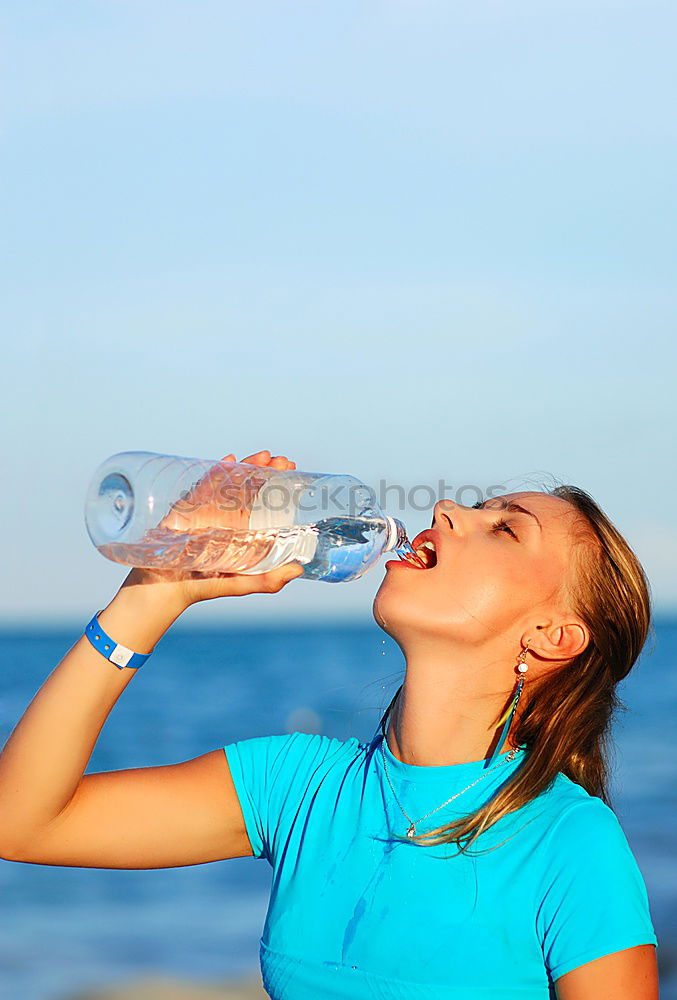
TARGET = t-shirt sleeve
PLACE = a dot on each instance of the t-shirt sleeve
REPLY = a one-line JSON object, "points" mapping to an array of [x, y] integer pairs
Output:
{"points": [[272, 774], [595, 900]]}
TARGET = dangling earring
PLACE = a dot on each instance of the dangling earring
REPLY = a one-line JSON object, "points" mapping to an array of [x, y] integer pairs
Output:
{"points": [[509, 713]]}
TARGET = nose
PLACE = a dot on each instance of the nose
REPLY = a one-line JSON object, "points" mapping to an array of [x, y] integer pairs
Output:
{"points": [[449, 514]]}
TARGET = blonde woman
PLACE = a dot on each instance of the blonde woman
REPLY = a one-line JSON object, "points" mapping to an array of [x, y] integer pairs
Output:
{"points": [[469, 850]]}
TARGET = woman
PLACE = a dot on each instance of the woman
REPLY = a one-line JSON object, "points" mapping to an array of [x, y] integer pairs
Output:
{"points": [[468, 851]]}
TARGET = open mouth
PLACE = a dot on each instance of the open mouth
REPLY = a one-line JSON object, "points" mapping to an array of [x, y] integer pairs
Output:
{"points": [[426, 554]]}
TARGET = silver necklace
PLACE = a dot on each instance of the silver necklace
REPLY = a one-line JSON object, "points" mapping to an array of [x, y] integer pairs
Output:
{"points": [[411, 832]]}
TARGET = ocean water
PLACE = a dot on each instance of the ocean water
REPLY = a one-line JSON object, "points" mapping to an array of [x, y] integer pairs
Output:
{"points": [[69, 929]]}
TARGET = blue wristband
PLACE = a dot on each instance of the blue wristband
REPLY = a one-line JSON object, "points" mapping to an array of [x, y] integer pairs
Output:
{"points": [[120, 655]]}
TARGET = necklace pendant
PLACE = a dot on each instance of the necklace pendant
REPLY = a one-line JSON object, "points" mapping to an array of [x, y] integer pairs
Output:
{"points": [[411, 832]]}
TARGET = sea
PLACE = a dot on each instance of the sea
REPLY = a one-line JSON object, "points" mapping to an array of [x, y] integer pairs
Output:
{"points": [[67, 930]]}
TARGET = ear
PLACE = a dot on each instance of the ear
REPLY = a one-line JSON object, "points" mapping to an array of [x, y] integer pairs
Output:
{"points": [[558, 642]]}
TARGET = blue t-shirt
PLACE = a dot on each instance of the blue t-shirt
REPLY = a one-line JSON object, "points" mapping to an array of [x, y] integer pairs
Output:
{"points": [[354, 914]]}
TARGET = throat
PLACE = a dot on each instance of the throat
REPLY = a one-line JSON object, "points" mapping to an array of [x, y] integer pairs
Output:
{"points": [[426, 731]]}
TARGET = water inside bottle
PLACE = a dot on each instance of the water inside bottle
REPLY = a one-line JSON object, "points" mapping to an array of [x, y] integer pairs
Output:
{"points": [[333, 549], [228, 550]]}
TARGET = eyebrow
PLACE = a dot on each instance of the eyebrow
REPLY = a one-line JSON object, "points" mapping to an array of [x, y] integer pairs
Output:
{"points": [[517, 509]]}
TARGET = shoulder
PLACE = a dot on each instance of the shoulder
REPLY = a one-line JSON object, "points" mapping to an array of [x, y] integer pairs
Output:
{"points": [[566, 805], [274, 774], [580, 851], [290, 753], [576, 817], [311, 749], [589, 860]]}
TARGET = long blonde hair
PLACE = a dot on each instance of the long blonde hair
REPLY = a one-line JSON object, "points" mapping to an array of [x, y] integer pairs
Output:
{"points": [[564, 719]]}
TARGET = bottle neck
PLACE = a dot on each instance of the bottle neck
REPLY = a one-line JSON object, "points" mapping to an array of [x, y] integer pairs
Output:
{"points": [[397, 534]]}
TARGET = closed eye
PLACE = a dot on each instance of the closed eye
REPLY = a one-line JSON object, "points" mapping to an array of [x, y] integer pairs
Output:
{"points": [[502, 525], [497, 526]]}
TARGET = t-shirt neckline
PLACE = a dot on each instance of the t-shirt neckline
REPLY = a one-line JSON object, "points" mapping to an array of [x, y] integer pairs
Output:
{"points": [[449, 775]]}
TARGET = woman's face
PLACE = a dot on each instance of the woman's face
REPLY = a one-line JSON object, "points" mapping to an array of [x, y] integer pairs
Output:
{"points": [[497, 569]]}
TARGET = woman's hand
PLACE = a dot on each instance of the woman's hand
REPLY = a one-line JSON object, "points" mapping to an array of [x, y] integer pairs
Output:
{"points": [[219, 498], [187, 587]]}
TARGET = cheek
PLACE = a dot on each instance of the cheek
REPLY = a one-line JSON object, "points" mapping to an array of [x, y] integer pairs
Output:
{"points": [[488, 608]]}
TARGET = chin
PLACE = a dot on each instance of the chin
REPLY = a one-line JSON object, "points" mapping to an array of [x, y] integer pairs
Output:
{"points": [[395, 612], [382, 609], [376, 610]]}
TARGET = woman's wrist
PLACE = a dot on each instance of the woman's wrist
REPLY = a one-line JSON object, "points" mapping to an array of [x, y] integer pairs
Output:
{"points": [[141, 612]]}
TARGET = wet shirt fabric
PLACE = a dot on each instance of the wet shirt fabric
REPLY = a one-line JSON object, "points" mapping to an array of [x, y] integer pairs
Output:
{"points": [[355, 914]]}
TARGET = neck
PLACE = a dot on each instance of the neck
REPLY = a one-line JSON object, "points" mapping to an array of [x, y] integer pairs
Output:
{"points": [[447, 716]]}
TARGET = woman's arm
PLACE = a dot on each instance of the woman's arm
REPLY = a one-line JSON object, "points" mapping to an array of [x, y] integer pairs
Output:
{"points": [[631, 974], [153, 817], [187, 813], [42, 764]]}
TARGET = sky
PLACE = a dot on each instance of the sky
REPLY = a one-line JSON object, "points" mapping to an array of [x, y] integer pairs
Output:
{"points": [[410, 241]]}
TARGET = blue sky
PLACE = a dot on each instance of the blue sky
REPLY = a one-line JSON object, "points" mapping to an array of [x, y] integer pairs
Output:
{"points": [[405, 240]]}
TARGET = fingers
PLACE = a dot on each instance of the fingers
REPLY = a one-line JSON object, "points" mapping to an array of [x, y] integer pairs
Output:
{"points": [[262, 583], [282, 462], [264, 458], [199, 586], [258, 458]]}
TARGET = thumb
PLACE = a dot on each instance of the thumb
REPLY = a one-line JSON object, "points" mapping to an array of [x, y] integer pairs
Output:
{"points": [[293, 570], [286, 573], [275, 579]]}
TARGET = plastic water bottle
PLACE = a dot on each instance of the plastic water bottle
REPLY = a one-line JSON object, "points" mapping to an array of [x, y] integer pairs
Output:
{"points": [[168, 512]]}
